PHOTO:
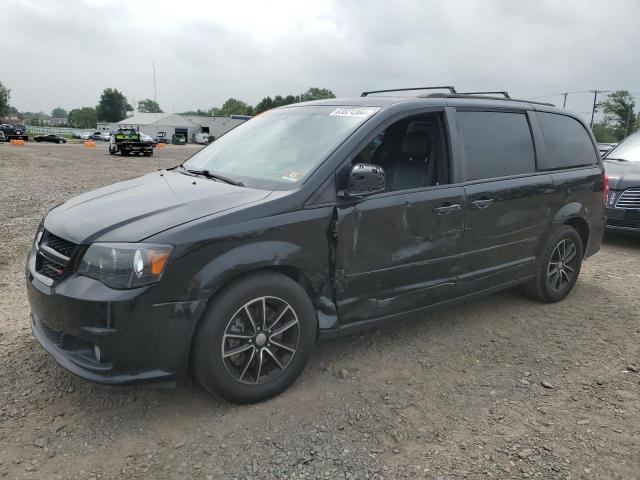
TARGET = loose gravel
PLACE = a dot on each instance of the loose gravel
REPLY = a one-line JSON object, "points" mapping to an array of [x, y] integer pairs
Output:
{"points": [[504, 387]]}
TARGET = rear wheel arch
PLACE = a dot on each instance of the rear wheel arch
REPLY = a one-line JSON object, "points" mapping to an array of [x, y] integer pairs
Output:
{"points": [[582, 227]]}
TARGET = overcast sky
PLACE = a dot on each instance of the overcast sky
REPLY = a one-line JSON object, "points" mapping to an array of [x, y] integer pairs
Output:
{"points": [[63, 53]]}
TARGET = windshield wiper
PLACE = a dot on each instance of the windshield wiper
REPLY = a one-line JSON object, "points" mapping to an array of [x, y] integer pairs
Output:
{"points": [[617, 159], [206, 173]]}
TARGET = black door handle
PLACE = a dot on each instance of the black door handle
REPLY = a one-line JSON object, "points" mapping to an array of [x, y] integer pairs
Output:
{"points": [[446, 209], [481, 204]]}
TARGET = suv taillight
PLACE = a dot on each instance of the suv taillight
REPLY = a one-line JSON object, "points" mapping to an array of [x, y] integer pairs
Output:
{"points": [[605, 192]]}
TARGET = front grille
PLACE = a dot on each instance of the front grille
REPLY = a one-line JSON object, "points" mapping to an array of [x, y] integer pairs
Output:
{"points": [[623, 223], [49, 268], [629, 199], [60, 245]]}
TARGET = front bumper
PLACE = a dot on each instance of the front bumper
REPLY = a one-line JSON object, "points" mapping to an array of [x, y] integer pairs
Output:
{"points": [[112, 336], [623, 219]]}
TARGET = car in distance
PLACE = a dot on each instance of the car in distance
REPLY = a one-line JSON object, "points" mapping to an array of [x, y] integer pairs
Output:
{"points": [[161, 137], [51, 138], [146, 138], [14, 131], [622, 165], [2, 137], [313, 221]]}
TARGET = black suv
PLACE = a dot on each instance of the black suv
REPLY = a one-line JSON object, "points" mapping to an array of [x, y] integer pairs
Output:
{"points": [[313, 221]]}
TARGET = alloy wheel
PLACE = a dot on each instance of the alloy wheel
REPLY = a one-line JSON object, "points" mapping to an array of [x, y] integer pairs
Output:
{"points": [[562, 265], [260, 340]]}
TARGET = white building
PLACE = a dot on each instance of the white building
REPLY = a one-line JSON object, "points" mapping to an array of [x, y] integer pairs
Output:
{"points": [[173, 123]]}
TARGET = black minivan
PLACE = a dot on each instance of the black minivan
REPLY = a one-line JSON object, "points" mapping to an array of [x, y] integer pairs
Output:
{"points": [[312, 221]]}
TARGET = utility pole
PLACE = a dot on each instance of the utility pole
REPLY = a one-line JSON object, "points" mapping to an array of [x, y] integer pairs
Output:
{"points": [[564, 103], [595, 104], [155, 93]]}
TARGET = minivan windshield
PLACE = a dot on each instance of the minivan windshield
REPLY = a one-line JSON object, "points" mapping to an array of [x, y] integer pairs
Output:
{"points": [[628, 150], [278, 149]]}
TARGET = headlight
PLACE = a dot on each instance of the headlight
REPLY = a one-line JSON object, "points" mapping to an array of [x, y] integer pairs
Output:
{"points": [[125, 265]]}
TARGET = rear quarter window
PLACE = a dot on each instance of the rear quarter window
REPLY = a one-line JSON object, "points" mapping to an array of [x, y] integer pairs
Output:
{"points": [[496, 144], [567, 142]]}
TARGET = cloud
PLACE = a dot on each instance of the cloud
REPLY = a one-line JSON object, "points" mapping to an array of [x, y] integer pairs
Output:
{"points": [[65, 53]]}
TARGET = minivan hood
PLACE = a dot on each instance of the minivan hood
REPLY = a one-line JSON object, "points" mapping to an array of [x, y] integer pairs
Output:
{"points": [[622, 175], [133, 210]]}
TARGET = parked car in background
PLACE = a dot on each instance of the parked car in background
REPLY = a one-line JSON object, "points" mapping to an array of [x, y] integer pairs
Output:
{"points": [[603, 148], [51, 138], [146, 138], [96, 136], [314, 220], [201, 138], [2, 137], [161, 137], [14, 131], [622, 165], [105, 137]]}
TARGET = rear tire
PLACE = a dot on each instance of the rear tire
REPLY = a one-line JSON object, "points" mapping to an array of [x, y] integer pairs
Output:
{"points": [[559, 266], [269, 321]]}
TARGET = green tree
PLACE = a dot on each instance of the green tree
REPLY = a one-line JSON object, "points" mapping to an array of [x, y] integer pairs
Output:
{"points": [[13, 112], [35, 121], [59, 112], [604, 133], [198, 112], [149, 106], [84, 117], [316, 94], [113, 106], [265, 104], [619, 111], [5, 95], [233, 107]]}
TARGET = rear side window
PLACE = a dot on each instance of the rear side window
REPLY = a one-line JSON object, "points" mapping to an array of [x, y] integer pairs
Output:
{"points": [[567, 142], [496, 144]]}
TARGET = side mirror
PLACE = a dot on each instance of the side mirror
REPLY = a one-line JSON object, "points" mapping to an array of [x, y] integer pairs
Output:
{"points": [[365, 179]]}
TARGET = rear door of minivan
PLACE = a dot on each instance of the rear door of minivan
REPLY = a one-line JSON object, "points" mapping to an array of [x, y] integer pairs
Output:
{"points": [[508, 201]]}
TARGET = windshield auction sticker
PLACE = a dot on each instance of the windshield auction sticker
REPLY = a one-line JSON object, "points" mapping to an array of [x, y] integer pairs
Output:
{"points": [[292, 176], [354, 112]]}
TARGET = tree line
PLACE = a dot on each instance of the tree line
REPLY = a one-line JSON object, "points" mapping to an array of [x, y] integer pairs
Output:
{"points": [[233, 106], [113, 106], [620, 117]]}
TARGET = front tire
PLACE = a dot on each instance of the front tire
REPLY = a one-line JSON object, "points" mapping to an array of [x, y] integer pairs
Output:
{"points": [[559, 266], [255, 338]]}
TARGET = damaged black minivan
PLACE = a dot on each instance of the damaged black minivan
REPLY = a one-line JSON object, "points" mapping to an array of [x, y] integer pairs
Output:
{"points": [[313, 221]]}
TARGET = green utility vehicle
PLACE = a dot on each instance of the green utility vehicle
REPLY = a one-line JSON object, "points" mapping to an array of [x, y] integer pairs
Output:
{"points": [[178, 139], [127, 141]]}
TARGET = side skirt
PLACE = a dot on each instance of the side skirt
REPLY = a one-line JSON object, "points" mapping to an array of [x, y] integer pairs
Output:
{"points": [[368, 323]]}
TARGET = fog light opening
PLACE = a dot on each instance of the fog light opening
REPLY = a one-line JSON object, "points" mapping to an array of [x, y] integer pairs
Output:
{"points": [[97, 351]]}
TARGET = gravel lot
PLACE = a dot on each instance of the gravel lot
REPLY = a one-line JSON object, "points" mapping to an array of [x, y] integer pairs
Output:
{"points": [[500, 388]]}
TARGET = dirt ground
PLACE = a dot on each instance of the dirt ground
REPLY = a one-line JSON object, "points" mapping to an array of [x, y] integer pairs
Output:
{"points": [[450, 395]]}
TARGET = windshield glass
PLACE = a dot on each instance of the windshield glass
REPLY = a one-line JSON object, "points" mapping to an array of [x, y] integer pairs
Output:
{"points": [[278, 149], [628, 150]]}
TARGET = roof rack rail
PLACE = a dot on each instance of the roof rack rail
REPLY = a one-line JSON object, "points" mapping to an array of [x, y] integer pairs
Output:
{"points": [[446, 87], [501, 92], [484, 97]]}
